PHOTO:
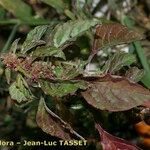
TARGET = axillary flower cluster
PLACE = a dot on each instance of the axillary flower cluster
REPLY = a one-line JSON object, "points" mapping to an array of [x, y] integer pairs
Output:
{"points": [[33, 70]]}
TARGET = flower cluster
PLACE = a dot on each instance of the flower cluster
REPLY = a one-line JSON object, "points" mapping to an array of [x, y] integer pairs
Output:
{"points": [[33, 70], [10, 60], [41, 70]]}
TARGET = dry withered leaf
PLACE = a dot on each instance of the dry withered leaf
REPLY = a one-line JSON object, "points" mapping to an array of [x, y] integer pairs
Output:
{"points": [[115, 93], [110, 142]]}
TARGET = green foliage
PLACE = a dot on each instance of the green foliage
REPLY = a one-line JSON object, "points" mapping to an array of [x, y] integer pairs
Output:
{"points": [[16, 93], [69, 70], [14, 46], [74, 29], [61, 89], [45, 51], [117, 61], [59, 78], [34, 38], [20, 91], [135, 74], [142, 57], [8, 75], [49, 77], [18, 8]]}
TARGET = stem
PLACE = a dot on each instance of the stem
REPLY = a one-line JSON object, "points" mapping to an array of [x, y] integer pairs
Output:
{"points": [[33, 22], [69, 14], [11, 38], [10, 21]]}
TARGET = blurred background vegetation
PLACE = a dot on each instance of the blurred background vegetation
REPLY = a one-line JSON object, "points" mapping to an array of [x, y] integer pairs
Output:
{"points": [[18, 17]]}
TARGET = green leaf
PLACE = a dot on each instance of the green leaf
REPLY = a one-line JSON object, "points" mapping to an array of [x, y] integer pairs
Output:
{"points": [[70, 14], [50, 122], [17, 94], [68, 31], [61, 89], [115, 94], [58, 5], [58, 71], [8, 75], [14, 46], [117, 61], [21, 82], [18, 8], [20, 91], [140, 52], [34, 38], [45, 51], [60, 54], [135, 74], [69, 70]]}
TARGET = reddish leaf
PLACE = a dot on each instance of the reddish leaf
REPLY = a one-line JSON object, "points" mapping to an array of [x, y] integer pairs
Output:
{"points": [[115, 93], [113, 34], [146, 104], [110, 142], [49, 123]]}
